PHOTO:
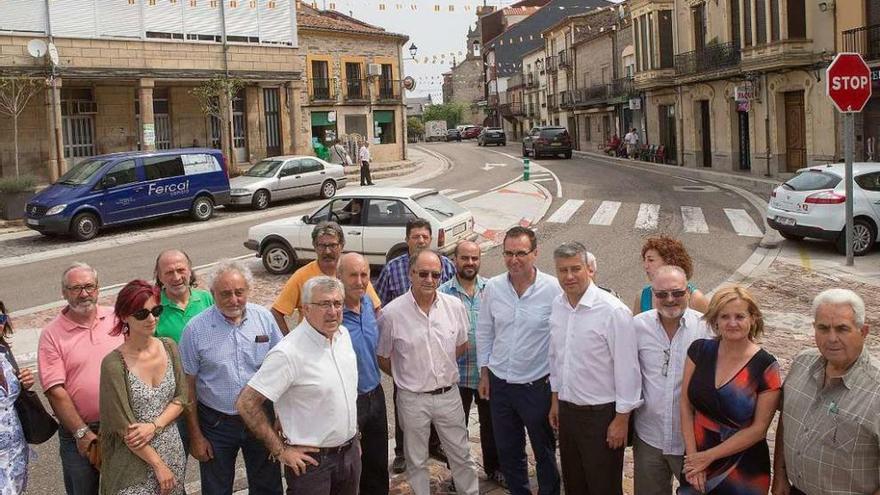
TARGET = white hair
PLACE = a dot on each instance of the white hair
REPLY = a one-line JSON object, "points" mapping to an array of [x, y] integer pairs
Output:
{"points": [[225, 266], [320, 284], [841, 296], [78, 265], [591, 261]]}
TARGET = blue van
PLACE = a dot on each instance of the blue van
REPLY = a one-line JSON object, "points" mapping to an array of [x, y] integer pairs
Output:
{"points": [[130, 186]]}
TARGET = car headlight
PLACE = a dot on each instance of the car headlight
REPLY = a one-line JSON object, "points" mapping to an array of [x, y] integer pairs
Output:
{"points": [[56, 209], [239, 192]]}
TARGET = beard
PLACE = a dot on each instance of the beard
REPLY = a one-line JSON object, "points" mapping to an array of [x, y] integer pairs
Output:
{"points": [[468, 273], [83, 306], [671, 313]]}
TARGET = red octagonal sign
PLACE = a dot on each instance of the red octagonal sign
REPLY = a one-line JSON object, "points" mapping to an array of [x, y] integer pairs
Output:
{"points": [[848, 82]]}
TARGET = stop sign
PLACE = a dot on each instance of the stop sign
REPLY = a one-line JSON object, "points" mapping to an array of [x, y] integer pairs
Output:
{"points": [[848, 82]]}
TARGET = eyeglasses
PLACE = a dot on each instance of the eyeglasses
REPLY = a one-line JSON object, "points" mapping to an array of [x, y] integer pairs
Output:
{"points": [[664, 294], [325, 305], [427, 273], [517, 254], [327, 247], [77, 289], [3, 319], [142, 314], [665, 370]]}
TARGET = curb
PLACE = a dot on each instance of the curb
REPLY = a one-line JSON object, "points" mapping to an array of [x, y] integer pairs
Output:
{"points": [[495, 237]]}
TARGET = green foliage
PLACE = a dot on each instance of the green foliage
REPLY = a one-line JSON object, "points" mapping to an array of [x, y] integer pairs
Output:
{"points": [[452, 113], [22, 183], [210, 91], [414, 126]]}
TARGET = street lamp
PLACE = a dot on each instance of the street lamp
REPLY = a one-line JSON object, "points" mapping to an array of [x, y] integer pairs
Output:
{"points": [[412, 50]]}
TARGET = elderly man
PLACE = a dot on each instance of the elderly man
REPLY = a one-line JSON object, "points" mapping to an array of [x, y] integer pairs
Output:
{"points": [[422, 333], [359, 319], [594, 375], [221, 349], [513, 338], [328, 240], [467, 286], [393, 281], [664, 335], [828, 437], [312, 378], [69, 356], [180, 297]]}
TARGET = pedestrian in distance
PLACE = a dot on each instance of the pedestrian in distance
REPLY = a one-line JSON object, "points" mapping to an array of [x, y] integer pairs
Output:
{"points": [[365, 160], [339, 155], [729, 393], [828, 436], [143, 391], [662, 250], [69, 356], [631, 139]]}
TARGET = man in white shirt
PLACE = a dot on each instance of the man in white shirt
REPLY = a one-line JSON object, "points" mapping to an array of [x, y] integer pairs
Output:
{"points": [[421, 335], [664, 335], [364, 158], [594, 376], [311, 377], [632, 141]]}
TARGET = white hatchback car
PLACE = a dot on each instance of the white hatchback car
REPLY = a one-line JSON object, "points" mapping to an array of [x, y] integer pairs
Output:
{"points": [[373, 220], [812, 204]]}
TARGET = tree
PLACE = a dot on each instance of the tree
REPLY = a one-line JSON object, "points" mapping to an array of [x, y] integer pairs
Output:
{"points": [[415, 128], [15, 92], [213, 95], [452, 113]]}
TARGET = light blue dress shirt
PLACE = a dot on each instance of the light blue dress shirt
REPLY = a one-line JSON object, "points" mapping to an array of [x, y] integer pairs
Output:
{"points": [[513, 332]]}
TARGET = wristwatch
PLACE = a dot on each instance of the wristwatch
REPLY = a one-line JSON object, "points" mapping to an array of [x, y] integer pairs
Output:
{"points": [[81, 432]]}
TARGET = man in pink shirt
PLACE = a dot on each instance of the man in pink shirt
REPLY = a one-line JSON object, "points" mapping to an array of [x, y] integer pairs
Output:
{"points": [[71, 349]]}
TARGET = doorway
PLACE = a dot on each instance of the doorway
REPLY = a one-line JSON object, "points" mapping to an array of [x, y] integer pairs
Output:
{"points": [[705, 133], [745, 158], [668, 136], [795, 131], [273, 121]]}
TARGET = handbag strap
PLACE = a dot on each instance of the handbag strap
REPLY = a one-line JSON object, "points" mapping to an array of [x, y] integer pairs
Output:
{"points": [[8, 352]]}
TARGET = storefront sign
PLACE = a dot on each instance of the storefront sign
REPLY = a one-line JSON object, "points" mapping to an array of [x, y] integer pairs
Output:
{"points": [[743, 106], [149, 135], [331, 116], [635, 103], [744, 92]]}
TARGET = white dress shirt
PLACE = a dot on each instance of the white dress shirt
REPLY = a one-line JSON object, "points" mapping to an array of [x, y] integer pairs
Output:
{"points": [[313, 383], [422, 346], [593, 353], [658, 421], [364, 154]]}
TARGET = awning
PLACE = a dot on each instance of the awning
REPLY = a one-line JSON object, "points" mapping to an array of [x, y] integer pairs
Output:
{"points": [[321, 118], [383, 116]]}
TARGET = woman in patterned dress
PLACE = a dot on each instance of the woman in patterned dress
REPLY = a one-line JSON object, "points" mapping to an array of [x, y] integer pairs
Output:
{"points": [[142, 394], [13, 448], [730, 392]]}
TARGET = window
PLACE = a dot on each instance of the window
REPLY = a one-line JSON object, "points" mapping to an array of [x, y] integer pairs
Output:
{"points": [[356, 124], [163, 167], [747, 22], [384, 126], [123, 172], [588, 129], [735, 35], [812, 181], [774, 20], [388, 212], [760, 22], [353, 87], [320, 80], [310, 165], [797, 20], [869, 182], [323, 130], [341, 211], [664, 29], [386, 83], [292, 167]]}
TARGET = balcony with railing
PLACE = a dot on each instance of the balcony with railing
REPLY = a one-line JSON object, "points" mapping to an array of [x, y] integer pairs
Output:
{"points": [[864, 40], [355, 90], [511, 110], [322, 89], [712, 57], [552, 103], [389, 90], [550, 64], [530, 111], [564, 60], [568, 98], [531, 80]]}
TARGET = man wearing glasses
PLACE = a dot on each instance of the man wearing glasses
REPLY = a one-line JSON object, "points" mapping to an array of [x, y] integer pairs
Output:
{"points": [[664, 335], [69, 356], [513, 337], [329, 241], [421, 335]]}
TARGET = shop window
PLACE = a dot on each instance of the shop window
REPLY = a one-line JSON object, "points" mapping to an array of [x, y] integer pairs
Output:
{"points": [[384, 126], [323, 127]]}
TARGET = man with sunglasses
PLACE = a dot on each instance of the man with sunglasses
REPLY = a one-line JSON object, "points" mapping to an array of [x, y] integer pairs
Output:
{"points": [[329, 241], [69, 356], [664, 335], [421, 335]]}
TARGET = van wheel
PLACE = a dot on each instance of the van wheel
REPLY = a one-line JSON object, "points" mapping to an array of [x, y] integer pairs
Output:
{"points": [[260, 201], [863, 238], [202, 209], [84, 227], [278, 259], [328, 189]]}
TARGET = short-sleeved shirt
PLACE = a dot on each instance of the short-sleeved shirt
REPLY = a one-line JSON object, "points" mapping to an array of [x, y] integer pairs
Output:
{"points": [[224, 356], [422, 346], [313, 383], [363, 330], [174, 319], [394, 278], [290, 297], [469, 374], [70, 354]]}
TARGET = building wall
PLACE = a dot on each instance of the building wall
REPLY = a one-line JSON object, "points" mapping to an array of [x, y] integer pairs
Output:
{"points": [[467, 88]]}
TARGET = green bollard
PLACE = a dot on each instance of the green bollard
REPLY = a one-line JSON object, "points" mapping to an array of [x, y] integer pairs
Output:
{"points": [[525, 169]]}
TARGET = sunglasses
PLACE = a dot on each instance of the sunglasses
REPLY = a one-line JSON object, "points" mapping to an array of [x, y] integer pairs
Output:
{"points": [[427, 273], [142, 314], [3, 319], [664, 294]]}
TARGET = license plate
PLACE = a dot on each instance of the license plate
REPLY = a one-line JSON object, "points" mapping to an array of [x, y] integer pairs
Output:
{"points": [[458, 229], [785, 220], [32, 221], [555, 144]]}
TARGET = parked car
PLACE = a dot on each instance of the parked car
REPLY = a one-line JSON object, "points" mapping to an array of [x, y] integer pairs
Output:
{"points": [[813, 204], [492, 135], [283, 177], [547, 140], [453, 135], [128, 187], [373, 220], [471, 132]]}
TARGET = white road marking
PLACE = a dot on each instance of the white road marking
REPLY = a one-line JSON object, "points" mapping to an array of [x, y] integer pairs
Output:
{"points": [[536, 167], [606, 213], [447, 191], [649, 215], [565, 211], [693, 220], [742, 223], [461, 193], [546, 179], [489, 166]]}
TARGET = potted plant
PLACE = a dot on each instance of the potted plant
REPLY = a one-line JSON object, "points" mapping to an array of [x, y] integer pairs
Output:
{"points": [[15, 192]]}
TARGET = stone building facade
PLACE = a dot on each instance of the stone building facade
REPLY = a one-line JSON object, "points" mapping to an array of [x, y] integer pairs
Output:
{"points": [[465, 80], [859, 25]]}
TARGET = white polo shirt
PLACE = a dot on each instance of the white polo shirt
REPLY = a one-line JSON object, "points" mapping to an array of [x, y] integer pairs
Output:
{"points": [[313, 383]]}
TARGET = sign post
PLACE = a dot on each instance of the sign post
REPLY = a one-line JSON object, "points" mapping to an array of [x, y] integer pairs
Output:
{"points": [[848, 84]]}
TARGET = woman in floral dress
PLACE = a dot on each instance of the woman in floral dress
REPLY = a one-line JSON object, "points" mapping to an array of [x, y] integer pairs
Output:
{"points": [[13, 448]]}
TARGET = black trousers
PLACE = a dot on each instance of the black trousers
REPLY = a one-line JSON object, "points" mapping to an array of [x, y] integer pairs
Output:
{"points": [[487, 435], [589, 466], [366, 180], [433, 440], [373, 425]]}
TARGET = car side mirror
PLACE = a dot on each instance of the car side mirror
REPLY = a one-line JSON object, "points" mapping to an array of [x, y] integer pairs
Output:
{"points": [[305, 219], [108, 182]]}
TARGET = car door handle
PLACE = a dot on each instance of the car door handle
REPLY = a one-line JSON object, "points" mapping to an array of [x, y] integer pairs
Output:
{"points": [[297, 176], [353, 233], [322, 173]]}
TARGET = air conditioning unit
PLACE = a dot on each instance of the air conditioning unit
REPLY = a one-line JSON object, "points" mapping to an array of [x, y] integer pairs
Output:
{"points": [[374, 70]]}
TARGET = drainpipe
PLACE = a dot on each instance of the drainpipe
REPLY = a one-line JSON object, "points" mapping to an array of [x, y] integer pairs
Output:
{"points": [[767, 123], [680, 137], [59, 143]]}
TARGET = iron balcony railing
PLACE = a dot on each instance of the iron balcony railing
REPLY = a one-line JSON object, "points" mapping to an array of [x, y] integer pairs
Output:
{"points": [[354, 89], [622, 87], [550, 64], [530, 110], [564, 62], [389, 89], [568, 98], [552, 104], [864, 40], [322, 89], [711, 57]]}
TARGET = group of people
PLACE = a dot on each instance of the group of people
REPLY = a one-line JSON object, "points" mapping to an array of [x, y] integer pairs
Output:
{"points": [[173, 370], [339, 155]]}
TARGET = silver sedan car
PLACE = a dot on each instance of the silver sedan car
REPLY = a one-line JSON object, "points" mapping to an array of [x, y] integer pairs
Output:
{"points": [[283, 177]]}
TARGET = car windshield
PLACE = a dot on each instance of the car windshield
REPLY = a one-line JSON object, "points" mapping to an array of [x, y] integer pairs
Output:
{"points": [[81, 173], [812, 180], [554, 133], [440, 206], [265, 168]]}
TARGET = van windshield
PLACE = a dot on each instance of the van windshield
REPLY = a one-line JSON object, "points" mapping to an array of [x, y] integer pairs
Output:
{"points": [[265, 168], [81, 173]]}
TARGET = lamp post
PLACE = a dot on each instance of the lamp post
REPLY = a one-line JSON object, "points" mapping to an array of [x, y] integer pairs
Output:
{"points": [[413, 49]]}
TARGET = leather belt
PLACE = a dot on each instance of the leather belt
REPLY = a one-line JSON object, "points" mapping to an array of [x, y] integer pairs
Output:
{"points": [[438, 391], [338, 449]]}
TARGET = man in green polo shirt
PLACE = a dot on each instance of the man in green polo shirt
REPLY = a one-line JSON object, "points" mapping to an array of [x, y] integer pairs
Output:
{"points": [[180, 298]]}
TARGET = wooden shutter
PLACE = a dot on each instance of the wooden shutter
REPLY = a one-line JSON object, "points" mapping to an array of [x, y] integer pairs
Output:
{"points": [[22, 16]]}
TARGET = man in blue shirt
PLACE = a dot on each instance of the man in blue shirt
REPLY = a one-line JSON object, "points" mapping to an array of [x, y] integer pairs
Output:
{"points": [[513, 341], [359, 318], [221, 349]]}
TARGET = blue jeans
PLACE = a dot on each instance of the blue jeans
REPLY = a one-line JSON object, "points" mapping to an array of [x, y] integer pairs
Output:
{"points": [[524, 406], [228, 435], [80, 478]]}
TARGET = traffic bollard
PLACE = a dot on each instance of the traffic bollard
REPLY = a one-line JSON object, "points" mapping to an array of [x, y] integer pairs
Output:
{"points": [[525, 169]]}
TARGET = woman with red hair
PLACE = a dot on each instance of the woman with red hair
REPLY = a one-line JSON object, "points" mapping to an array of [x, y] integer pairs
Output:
{"points": [[660, 250], [142, 393]]}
